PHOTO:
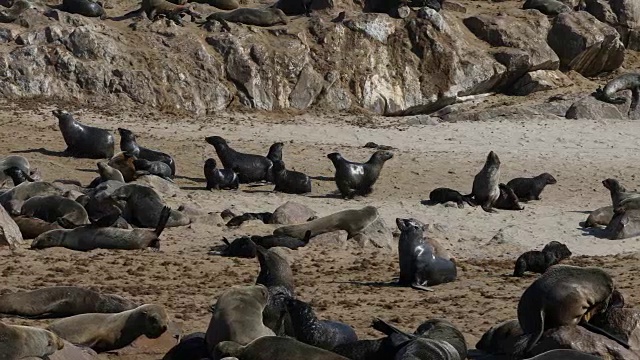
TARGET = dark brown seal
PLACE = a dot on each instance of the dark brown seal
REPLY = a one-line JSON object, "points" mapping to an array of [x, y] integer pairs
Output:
{"points": [[445, 195], [87, 8], [540, 261], [141, 206], [358, 178], [129, 145], [249, 167], [84, 141], [220, 179], [31, 227], [288, 181], [527, 189], [273, 347], [486, 188], [53, 207], [250, 16], [507, 199]]}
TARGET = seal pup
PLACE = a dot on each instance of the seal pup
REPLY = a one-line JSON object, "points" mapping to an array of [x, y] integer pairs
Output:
{"points": [[600, 216], [629, 81], [107, 332], [271, 348], [250, 16], [23, 342], [310, 330], [547, 7], [353, 221], [128, 144], [123, 162], [109, 173], [275, 273], [540, 261], [624, 224], [238, 220], [12, 161], [500, 339], [418, 265], [527, 189], [86, 8], [445, 195], [191, 346], [275, 151], [31, 227], [53, 207], [237, 316], [241, 247], [249, 167], [84, 141], [288, 181], [358, 178], [17, 176], [486, 188], [157, 168], [507, 199], [86, 238], [141, 206], [61, 301], [220, 179], [13, 199], [245, 246], [565, 295]]}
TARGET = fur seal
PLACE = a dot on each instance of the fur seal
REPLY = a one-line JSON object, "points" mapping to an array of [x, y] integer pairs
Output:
{"points": [[486, 189], [14, 161], [501, 338], [241, 247], [600, 216], [358, 178], [123, 162], [17, 175], [220, 4], [109, 173], [237, 316], [618, 193], [249, 16], [220, 179], [84, 141], [191, 346], [507, 199], [86, 8], [310, 330], [128, 144], [624, 224], [86, 238], [540, 261], [249, 167], [273, 347], [275, 151], [107, 332], [238, 220], [31, 227], [245, 246], [157, 168], [530, 188], [52, 207], [288, 181], [141, 206], [17, 8], [294, 7], [418, 265], [173, 12], [353, 221], [24, 342], [623, 82], [565, 295], [13, 199], [444, 195], [275, 273], [547, 7], [61, 301]]}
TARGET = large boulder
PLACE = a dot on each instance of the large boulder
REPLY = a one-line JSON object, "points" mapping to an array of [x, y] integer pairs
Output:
{"points": [[585, 44], [594, 109], [377, 234], [291, 213], [540, 80], [9, 231], [623, 322]]}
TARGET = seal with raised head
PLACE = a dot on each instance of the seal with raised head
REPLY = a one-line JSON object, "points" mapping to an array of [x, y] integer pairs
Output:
{"points": [[288, 181], [530, 188], [275, 151], [87, 8], [128, 144], [623, 82], [507, 199], [25, 342], [17, 175], [486, 189], [273, 347], [547, 7], [108, 172], [238, 220], [14, 161], [220, 179], [249, 167], [419, 266], [61, 301], [353, 221], [90, 237], [84, 141], [123, 162], [53, 207], [601, 216], [275, 273], [445, 195], [107, 332], [157, 168], [237, 316], [565, 295], [141, 206], [540, 261], [618, 192], [310, 330], [251, 16], [358, 178], [13, 199]]}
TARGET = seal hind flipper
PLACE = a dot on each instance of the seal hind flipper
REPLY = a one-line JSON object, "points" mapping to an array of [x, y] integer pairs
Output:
{"points": [[600, 331], [107, 220], [635, 98], [388, 329], [307, 237], [421, 287], [66, 223], [164, 218]]}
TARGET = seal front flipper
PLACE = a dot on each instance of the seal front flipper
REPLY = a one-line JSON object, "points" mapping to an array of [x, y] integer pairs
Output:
{"points": [[421, 286]]}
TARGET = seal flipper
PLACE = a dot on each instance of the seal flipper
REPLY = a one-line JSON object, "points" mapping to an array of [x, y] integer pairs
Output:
{"points": [[388, 329], [162, 221], [421, 286], [597, 330], [307, 237], [635, 98], [526, 342], [469, 200]]}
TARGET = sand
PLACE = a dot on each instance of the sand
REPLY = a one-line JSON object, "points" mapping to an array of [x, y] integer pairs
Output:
{"points": [[340, 282]]}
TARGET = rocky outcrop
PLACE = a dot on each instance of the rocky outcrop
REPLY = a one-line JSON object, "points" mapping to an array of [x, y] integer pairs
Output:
{"points": [[594, 109], [9, 231], [585, 44], [539, 80]]}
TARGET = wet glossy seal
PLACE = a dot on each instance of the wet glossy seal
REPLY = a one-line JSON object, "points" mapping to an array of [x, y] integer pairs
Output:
{"points": [[84, 141]]}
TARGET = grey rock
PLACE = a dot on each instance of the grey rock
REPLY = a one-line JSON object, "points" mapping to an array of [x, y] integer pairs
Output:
{"points": [[591, 108], [309, 86], [334, 238], [10, 234], [291, 213], [163, 187], [376, 234], [540, 80]]}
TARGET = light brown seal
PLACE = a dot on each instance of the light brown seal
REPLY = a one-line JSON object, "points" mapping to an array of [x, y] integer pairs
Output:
{"points": [[53, 207], [106, 332], [141, 206], [123, 162], [237, 316], [486, 188], [31, 227], [61, 301], [601, 216], [352, 221], [274, 347], [108, 172], [20, 342]]}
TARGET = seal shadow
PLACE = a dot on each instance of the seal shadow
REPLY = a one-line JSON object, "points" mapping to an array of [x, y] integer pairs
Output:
{"points": [[428, 202], [322, 178], [579, 211], [194, 179], [42, 151], [258, 191], [88, 170], [598, 232], [193, 188], [379, 284], [127, 16]]}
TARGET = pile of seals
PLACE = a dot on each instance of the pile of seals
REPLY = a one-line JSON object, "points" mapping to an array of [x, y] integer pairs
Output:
{"points": [[622, 217]]}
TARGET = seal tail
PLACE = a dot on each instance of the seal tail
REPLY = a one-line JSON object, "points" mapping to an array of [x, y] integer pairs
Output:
{"points": [[307, 237], [164, 218]]}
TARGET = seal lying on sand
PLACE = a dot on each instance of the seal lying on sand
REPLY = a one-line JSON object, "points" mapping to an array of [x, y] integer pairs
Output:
{"points": [[238, 220], [141, 206], [358, 178], [273, 347], [622, 82], [61, 301], [288, 181], [14, 161], [249, 167], [601, 216], [17, 8], [191, 346], [501, 338], [157, 168], [83, 7], [84, 141], [352, 221], [107, 332], [246, 246], [418, 265], [565, 295], [24, 342], [86, 238], [13, 199], [486, 188], [220, 179], [248, 16], [31, 227], [540, 261], [52, 207], [128, 144], [444, 195], [530, 188], [624, 224]]}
